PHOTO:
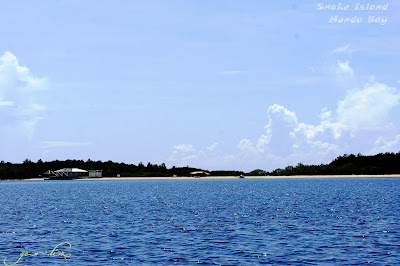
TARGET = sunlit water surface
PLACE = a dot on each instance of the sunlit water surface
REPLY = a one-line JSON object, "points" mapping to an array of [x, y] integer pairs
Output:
{"points": [[185, 222]]}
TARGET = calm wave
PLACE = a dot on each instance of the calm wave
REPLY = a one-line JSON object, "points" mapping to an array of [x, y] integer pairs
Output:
{"points": [[223, 222]]}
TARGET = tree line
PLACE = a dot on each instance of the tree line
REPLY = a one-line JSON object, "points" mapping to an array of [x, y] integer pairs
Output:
{"points": [[383, 163], [348, 164], [29, 169]]}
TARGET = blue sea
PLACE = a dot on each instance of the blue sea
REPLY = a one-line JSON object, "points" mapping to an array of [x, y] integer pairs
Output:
{"points": [[329, 221]]}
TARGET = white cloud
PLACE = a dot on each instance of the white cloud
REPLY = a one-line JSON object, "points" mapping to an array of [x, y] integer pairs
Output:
{"points": [[245, 145], [281, 122], [18, 89], [343, 68], [325, 115], [360, 110], [184, 147], [288, 116], [366, 108], [213, 146], [263, 140], [208, 157], [183, 154], [343, 50], [288, 141], [381, 145], [311, 131]]}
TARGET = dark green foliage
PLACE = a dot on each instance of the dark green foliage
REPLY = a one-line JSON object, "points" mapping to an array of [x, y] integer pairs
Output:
{"points": [[380, 164], [383, 163], [226, 173], [257, 172], [29, 169]]}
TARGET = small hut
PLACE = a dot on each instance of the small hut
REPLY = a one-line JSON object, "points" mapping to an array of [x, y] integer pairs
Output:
{"points": [[95, 173], [199, 174]]}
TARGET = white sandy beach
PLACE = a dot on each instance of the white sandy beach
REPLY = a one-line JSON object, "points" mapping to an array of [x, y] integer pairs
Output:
{"points": [[218, 177], [247, 177]]}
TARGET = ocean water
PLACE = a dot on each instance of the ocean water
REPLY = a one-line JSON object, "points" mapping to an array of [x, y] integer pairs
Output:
{"points": [[201, 221]]}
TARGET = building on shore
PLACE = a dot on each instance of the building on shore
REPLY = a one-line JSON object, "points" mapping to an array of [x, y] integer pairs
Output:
{"points": [[70, 173], [199, 174], [96, 173]]}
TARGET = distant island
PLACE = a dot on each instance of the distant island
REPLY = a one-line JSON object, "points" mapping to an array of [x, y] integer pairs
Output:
{"points": [[380, 164]]}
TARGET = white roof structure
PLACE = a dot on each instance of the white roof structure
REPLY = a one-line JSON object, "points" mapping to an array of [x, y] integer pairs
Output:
{"points": [[199, 172], [71, 170]]}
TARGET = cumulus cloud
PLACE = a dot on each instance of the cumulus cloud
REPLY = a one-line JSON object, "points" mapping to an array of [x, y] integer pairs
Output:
{"points": [[359, 116], [281, 121], [343, 68], [18, 91], [360, 110], [382, 145], [245, 145], [365, 108], [282, 113], [286, 141], [182, 153], [325, 115]]}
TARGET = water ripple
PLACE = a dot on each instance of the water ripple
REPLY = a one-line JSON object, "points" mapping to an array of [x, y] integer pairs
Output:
{"points": [[216, 222]]}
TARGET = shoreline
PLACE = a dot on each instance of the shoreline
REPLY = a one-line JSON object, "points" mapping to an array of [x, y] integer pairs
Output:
{"points": [[246, 177], [220, 177]]}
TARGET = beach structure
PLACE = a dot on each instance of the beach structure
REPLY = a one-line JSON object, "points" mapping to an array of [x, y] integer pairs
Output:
{"points": [[199, 174], [95, 173], [69, 173]]}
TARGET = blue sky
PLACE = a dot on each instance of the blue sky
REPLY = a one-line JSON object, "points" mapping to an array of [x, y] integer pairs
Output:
{"points": [[211, 84]]}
